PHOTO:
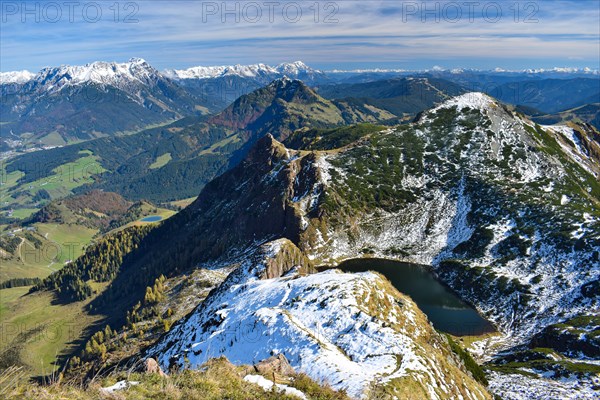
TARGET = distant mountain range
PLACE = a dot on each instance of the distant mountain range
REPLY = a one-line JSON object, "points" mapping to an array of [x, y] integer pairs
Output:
{"points": [[400, 96], [194, 150], [176, 159], [300, 70], [261, 72], [66, 104]]}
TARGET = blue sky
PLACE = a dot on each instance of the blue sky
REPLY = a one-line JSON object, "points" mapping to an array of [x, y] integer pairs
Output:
{"points": [[341, 34]]}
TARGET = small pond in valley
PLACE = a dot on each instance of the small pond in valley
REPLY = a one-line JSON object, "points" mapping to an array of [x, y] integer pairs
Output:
{"points": [[151, 218], [443, 307]]}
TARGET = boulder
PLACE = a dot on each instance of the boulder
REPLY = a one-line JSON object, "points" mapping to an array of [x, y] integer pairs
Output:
{"points": [[275, 365]]}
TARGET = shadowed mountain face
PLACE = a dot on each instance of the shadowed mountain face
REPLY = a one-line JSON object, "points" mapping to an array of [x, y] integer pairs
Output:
{"points": [[229, 215], [589, 113], [400, 96]]}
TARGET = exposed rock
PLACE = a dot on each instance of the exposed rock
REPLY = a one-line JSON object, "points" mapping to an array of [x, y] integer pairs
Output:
{"points": [[275, 365], [152, 367], [288, 257]]}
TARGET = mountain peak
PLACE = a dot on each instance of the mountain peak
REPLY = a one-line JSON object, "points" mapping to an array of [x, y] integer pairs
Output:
{"points": [[119, 75], [295, 68], [285, 82], [250, 107], [137, 60], [475, 100]]}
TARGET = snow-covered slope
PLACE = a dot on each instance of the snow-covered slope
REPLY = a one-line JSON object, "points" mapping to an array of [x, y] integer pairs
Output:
{"points": [[347, 330], [478, 185], [575, 144]]}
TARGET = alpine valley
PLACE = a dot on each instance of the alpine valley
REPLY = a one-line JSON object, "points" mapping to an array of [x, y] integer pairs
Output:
{"points": [[210, 232]]}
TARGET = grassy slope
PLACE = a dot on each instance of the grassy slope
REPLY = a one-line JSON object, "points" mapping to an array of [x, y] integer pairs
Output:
{"points": [[35, 331], [217, 380], [60, 243], [59, 184], [183, 202], [72, 238], [161, 161], [22, 213]]}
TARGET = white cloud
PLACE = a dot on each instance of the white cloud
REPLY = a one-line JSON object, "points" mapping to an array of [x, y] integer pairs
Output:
{"points": [[179, 33]]}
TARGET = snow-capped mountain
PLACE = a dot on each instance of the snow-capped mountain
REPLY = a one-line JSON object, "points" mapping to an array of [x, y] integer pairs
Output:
{"points": [[299, 70], [18, 77], [83, 102], [200, 72], [296, 69], [560, 70], [497, 70], [123, 76]]}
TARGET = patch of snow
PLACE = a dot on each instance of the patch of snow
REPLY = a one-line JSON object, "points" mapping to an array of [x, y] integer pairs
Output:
{"points": [[324, 168], [475, 100], [121, 385], [549, 188], [520, 387], [267, 385]]}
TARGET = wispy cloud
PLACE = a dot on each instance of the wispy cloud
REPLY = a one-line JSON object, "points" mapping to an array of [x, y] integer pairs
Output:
{"points": [[334, 33]]}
